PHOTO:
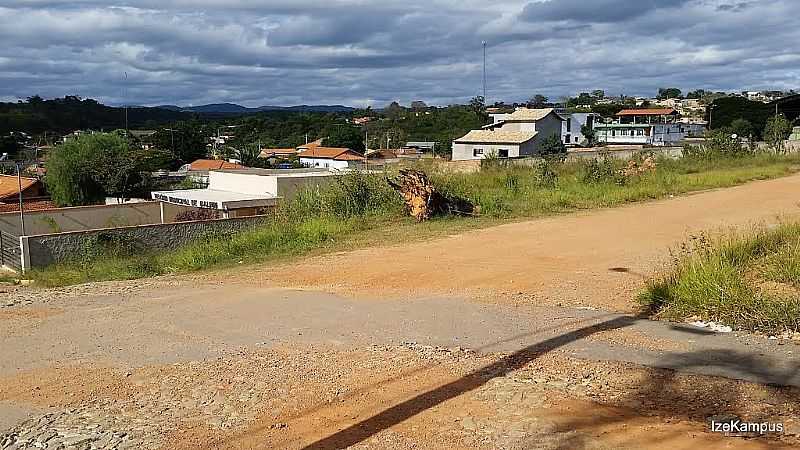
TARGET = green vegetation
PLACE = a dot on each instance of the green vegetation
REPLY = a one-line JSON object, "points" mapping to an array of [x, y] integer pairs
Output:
{"points": [[89, 167], [361, 209], [746, 281], [776, 131]]}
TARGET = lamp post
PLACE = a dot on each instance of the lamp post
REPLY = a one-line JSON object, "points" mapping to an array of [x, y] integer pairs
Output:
{"points": [[18, 166]]}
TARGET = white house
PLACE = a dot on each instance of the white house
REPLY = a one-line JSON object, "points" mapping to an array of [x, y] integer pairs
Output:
{"points": [[478, 144], [511, 135], [330, 157], [572, 125]]}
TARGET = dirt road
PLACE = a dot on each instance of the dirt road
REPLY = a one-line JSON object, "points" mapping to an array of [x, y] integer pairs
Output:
{"points": [[452, 343], [596, 258]]}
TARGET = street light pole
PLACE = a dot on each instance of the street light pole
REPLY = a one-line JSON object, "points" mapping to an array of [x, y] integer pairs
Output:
{"points": [[21, 207]]}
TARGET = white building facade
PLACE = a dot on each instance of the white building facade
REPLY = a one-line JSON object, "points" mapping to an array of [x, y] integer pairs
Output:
{"points": [[513, 135]]}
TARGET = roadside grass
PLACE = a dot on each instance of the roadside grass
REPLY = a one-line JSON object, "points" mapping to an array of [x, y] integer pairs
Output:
{"points": [[749, 281], [361, 210]]}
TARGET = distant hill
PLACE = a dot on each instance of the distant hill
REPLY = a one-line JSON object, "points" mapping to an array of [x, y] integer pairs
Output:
{"points": [[232, 108], [63, 115]]}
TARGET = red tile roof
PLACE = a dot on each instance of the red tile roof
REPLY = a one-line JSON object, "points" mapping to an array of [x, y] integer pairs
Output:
{"points": [[647, 112], [9, 185], [335, 153], [214, 164], [29, 205]]}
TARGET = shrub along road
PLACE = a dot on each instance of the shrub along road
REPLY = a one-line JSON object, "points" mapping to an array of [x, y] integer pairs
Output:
{"points": [[457, 342]]}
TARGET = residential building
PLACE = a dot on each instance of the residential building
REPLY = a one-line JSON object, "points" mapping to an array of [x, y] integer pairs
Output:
{"points": [[512, 135], [10, 188], [572, 126], [242, 193], [656, 127], [205, 165], [330, 157], [479, 144]]}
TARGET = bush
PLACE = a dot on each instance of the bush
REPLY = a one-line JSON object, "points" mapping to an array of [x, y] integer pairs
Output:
{"points": [[602, 170], [544, 176], [719, 144], [196, 215], [552, 146]]}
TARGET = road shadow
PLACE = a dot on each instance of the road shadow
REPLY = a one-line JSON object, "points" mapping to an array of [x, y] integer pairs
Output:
{"points": [[396, 414], [677, 393]]}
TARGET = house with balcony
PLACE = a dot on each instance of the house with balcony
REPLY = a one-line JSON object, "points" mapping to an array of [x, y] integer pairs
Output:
{"points": [[657, 127], [510, 135]]}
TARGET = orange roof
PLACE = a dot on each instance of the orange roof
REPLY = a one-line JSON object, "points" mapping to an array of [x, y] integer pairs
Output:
{"points": [[647, 112], [9, 185], [214, 164], [336, 153]]}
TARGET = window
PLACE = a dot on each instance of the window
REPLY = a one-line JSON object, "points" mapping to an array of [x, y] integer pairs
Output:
{"points": [[477, 152], [569, 125], [640, 132], [567, 139], [576, 139], [502, 153]]}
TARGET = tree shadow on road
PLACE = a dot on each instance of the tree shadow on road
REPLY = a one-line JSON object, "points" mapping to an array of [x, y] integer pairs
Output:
{"points": [[677, 393], [396, 414]]}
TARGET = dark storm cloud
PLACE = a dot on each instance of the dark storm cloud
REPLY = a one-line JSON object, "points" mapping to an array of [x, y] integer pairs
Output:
{"points": [[371, 52], [595, 10]]}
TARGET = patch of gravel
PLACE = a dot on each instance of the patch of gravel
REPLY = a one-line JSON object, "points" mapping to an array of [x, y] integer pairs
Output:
{"points": [[222, 394]]}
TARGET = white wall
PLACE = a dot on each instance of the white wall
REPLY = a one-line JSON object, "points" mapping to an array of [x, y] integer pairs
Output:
{"points": [[325, 163], [466, 152], [242, 182]]}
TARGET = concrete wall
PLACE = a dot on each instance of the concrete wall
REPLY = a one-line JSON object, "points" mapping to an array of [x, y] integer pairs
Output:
{"points": [[44, 250], [466, 152], [88, 218]]}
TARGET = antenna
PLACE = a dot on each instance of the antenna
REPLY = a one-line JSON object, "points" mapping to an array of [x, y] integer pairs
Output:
{"points": [[484, 71]]}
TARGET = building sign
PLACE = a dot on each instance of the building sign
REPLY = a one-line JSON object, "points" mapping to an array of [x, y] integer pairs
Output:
{"points": [[185, 201]]}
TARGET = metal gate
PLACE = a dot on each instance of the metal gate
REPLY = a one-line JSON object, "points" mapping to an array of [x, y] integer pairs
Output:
{"points": [[10, 252]]}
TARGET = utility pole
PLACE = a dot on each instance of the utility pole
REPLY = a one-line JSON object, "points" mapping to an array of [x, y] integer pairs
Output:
{"points": [[126, 104], [484, 72], [21, 207]]}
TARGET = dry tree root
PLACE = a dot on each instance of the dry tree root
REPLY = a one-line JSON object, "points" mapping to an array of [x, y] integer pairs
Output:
{"points": [[422, 199]]}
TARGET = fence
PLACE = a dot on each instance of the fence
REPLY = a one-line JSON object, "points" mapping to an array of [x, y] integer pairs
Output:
{"points": [[10, 255], [47, 249]]}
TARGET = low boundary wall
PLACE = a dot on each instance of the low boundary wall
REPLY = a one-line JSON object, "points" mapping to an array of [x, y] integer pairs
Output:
{"points": [[46, 249]]}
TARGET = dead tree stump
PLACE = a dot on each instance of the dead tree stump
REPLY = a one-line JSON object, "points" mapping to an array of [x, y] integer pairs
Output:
{"points": [[422, 199]]}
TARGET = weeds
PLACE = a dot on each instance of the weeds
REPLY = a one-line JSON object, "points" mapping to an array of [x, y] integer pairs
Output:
{"points": [[361, 204], [745, 281]]}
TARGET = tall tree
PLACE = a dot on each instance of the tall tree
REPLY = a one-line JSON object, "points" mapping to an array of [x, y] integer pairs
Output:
{"points": [[667, 93], [344, 136], [537, 101], [776, 131], [89, 167]]}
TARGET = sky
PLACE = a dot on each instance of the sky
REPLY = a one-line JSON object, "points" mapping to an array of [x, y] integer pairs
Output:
{"points": [[360, 52]]}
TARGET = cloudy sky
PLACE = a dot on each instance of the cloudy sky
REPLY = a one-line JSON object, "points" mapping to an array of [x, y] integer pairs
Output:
{"points": [[360, 52]]}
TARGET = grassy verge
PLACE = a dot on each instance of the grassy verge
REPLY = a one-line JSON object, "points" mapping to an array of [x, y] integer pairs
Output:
{"points": [[361, 210], [746, 281]]}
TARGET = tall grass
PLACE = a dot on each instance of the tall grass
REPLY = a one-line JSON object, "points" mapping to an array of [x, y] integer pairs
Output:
{"points": [[747, 281], [360, 204]]}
